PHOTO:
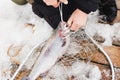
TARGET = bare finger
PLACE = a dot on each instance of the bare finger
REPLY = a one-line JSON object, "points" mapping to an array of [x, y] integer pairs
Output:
{"points": [[64, 1], [56, 5], [74, 27], [70, 22]]}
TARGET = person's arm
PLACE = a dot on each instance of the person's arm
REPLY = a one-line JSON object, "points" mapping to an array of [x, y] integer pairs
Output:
{"points": [[55, 3], [41, 9], [36, 7], [78, 18], [87, 5]]}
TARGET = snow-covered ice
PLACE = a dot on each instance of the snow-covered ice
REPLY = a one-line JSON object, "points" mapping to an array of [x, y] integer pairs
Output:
{"points": [[13, 32], [105, 30], [79, 70]]}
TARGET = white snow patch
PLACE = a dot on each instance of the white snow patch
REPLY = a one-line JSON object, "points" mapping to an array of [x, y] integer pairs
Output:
{"points": [[80, 71], [105, 30], [74, 48], [13, 32]]}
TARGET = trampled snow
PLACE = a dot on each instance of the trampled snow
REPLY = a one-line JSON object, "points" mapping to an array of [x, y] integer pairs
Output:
{"points": [[14, 32]]}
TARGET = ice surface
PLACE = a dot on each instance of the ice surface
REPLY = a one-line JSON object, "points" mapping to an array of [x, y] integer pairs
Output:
{"points": [[13, 32]]}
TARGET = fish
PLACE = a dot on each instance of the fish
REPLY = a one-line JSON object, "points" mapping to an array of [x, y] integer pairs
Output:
{"points": [[54, 48]]}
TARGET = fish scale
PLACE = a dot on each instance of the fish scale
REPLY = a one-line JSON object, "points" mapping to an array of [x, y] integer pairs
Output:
{"points": [[52, 51]]}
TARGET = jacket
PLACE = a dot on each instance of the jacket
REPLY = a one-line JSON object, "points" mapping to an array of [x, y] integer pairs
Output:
{"points": [[52, 15]]}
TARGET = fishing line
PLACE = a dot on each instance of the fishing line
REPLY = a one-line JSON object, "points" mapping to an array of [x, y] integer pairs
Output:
{"points": [[101, 49], [104, 52], [61, 13], [26, 58]]}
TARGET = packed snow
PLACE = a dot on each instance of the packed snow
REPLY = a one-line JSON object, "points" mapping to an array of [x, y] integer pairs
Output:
{"points": [[78, 71], [109, 32], [13, 32]]}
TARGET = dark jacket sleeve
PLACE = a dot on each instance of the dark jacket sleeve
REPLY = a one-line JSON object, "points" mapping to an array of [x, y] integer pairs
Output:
{"points": [[87, 5], [41, 9]]}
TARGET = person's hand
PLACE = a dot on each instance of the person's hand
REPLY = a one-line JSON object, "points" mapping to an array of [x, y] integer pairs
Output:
{"points": [[77, 19], [55, 3]]}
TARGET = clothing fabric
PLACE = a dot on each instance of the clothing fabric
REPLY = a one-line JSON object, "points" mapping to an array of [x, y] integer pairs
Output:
{"points": [[52, 15], [109, 9]]}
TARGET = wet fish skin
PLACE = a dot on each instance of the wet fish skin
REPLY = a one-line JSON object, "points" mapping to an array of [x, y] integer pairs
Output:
{"points": [[54, 49]]}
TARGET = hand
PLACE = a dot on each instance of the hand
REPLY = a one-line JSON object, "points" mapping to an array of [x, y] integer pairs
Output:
{"points": [[77, 19], [55, 3]]}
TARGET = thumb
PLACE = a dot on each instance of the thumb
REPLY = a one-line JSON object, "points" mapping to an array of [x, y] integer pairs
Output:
{"points": [[64, 1], [56, 5], [70, 22]]}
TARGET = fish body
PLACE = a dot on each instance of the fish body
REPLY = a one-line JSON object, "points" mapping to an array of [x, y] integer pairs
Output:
{"points": [[54, 49]]}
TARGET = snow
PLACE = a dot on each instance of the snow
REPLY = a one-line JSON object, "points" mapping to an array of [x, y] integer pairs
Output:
{"points": [[14, 32], [105, 30], [80, 71]]}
